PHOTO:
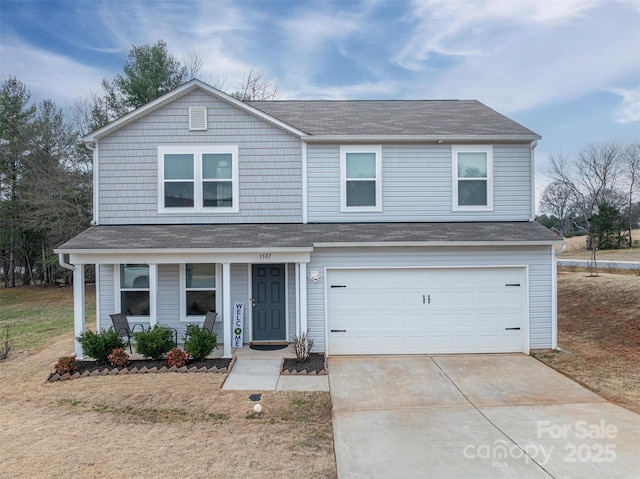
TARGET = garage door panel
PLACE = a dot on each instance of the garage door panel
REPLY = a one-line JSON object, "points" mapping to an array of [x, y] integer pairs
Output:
{"points": [[426, 311]]}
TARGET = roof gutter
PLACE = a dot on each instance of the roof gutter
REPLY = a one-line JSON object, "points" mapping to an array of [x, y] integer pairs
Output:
{"points": [[438, 139], [63, 263]]}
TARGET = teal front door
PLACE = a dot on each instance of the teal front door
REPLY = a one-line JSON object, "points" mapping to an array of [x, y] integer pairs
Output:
{"points": [[268, 298]]}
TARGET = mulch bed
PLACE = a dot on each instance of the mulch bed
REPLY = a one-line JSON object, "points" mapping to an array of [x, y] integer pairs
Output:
{"points": [[315, 365], [142, 366]]}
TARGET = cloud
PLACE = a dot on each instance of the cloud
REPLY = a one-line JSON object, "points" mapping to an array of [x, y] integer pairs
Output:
{"points": [[629, 109], [48, 75]]}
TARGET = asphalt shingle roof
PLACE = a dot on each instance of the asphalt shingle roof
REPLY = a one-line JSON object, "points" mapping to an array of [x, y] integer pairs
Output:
{"points": [[393, 117], [252, 236]]}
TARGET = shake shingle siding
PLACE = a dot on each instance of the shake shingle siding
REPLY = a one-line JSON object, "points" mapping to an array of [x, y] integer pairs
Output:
{"points": [[417, 185], [270, 179]]}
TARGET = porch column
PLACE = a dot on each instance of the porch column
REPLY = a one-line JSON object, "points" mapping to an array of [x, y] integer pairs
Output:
{"points": [[302, 277], [153, 295], [226, 308], [78, 307]]}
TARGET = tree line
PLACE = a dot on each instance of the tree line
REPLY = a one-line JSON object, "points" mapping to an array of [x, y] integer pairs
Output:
{"points": [[596, 192], [45, 169]]}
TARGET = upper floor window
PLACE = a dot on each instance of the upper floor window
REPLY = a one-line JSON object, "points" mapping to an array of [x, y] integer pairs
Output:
{"points": [[198, 178], [472, 177], [361, 178]]}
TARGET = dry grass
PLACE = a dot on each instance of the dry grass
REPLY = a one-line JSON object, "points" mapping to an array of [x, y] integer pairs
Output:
{"points": [[156, 425], [599, 334], [577, 249]]}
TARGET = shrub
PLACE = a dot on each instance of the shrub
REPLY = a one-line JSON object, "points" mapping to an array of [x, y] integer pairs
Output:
{"points": [[177, 357], [6, 342], [66, 364], [154, 342], [302, 346], [119, 358], [199, 342], [100, 345]]}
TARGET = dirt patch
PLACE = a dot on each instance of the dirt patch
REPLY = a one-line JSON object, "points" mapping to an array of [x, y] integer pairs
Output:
{"points": [[599, 334], [314, 365], [155, 425]]}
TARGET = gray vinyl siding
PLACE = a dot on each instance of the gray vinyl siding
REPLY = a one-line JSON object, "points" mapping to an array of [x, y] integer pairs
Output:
{"points": [[291, 307], [270, 178], [417, 185], [538, 259], [105, 295]]}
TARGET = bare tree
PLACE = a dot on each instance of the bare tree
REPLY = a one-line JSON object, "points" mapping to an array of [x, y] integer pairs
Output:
{"points": [[631, 162], [256, 87], [558, 200], [591, 177]]}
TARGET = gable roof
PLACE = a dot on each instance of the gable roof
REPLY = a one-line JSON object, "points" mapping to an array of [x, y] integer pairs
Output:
{"points": [[422, 118], [357, 120]]}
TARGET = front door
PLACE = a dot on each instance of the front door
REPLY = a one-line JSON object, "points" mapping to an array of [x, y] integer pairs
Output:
{"points": [[269, 312]]}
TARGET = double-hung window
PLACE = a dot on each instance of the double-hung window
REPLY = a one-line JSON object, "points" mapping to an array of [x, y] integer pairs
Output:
{"points": [[361, 178], [198, 178], [472, 177], [198, 287], [134, 289]]}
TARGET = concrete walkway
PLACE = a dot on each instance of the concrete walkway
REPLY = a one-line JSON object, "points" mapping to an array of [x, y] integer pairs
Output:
{"points": [[260, 371], [474, 416]]}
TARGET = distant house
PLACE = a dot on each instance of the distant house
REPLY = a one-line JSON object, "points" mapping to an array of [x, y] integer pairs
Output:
{"points": [[381, 227]]}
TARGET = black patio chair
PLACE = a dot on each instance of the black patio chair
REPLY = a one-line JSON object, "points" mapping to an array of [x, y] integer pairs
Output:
{"points": [[210, 321], [121, 325]]}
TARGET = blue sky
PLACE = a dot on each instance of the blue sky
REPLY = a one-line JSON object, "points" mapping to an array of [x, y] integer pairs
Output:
{"points": [[567, 69]]}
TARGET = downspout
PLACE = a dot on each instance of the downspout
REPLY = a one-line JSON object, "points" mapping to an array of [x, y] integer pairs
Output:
{"points": [[554, 296], [63, 263], [532, 146]]}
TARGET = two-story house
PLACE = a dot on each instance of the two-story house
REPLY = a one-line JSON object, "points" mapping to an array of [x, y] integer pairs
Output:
{"points": [[381, 227]]}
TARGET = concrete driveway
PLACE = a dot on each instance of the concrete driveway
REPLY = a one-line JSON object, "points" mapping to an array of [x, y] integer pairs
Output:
{"points": [[474, 416]]}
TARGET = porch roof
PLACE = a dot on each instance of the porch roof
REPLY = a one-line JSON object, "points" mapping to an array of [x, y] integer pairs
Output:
{"points": [[302, 237]]}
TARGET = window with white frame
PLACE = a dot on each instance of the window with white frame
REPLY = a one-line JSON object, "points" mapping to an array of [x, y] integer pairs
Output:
{"points": [[198, 286], [361, 178], [198, 178], [134, 289], [472, 177]]}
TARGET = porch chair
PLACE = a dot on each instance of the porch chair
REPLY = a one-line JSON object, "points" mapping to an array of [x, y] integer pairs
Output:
{"points": [[121, 325], [210, 321]]}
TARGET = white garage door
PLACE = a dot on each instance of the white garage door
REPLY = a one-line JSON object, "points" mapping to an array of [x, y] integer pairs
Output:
{"points": [[426, 311]]}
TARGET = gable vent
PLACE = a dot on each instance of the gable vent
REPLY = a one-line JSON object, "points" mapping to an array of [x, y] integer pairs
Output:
{"points": [[198, 118]]}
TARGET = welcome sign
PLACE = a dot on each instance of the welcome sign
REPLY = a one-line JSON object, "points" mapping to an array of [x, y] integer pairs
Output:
{"points": [[238, 321]]}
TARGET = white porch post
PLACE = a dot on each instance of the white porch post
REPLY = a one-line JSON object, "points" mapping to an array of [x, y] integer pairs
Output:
{"points": [[226, 308], [302, 277], [78, 307], [153, 295]]}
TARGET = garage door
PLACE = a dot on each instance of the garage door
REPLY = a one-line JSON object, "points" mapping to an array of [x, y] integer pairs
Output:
{"points": [[426, 311]]}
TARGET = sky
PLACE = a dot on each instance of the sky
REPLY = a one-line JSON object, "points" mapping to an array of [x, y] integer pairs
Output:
{"points": [[567, 69]]}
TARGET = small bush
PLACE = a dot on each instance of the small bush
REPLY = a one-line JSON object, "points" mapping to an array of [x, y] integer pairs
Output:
{"points": [[119, 358], [100, 345], [302, 346], [199, 342], [154, 342], [6, 342], [66, 364], [177, 357]]}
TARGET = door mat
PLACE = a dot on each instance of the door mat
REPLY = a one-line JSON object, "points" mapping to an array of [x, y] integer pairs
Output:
{"points": [[268, 347]]}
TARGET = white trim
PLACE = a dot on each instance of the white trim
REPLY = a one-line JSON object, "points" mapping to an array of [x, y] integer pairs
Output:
{"points": [[97, 287], [286, 301], [488, 150], [249, 308], [377, 151], [305, 194], [78, 308], [303, 298], [297, 281], [117, 303], [436, 139], [431, 244], [179, 92], [153, 295], [525, 328], [197, 151], [96, 187], [226, 309], [554, 299], [533, 145]]}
